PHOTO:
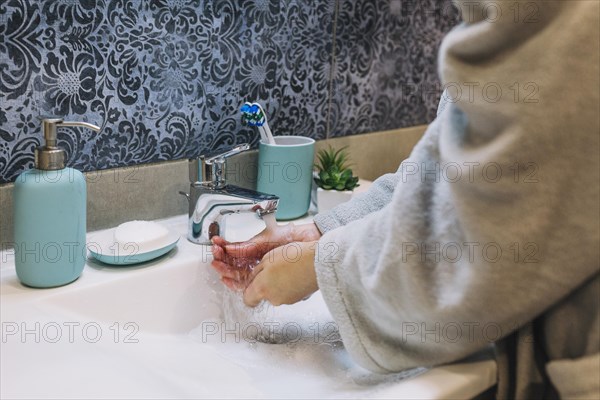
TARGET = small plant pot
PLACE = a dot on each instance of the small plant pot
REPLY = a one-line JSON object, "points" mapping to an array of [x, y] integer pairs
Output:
{"points": [[327, 199]]}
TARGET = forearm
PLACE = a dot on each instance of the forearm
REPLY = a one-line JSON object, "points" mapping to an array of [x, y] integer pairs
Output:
{"points": [[378, 195]]}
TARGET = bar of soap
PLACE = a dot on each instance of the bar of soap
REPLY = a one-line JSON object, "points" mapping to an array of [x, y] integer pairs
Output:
{"points": [[145, 234]]}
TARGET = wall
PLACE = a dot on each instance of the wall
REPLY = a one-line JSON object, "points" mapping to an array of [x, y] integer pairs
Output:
{"points": [[165, 78]]}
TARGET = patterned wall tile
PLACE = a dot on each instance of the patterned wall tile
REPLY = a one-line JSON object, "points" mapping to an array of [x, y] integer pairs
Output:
{"points": [[306, 43], [165, 78], [385, 69]]}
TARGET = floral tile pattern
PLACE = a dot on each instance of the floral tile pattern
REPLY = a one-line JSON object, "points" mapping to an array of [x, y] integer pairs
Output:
{"points": [[385, 65], [165, 78]]}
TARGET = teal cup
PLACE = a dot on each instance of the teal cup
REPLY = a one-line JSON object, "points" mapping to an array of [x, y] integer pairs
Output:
{"points": [[285, 170]]}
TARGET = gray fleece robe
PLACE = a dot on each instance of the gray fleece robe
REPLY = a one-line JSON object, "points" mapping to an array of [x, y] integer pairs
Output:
{"points": [[489, 231]]}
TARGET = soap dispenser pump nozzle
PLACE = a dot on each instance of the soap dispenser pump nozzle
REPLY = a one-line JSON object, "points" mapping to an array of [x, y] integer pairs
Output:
{"points": [[51, 157]]}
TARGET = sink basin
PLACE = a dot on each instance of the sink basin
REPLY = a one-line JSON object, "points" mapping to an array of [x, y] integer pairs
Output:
{"points": [[169, 329], [160, 299]]}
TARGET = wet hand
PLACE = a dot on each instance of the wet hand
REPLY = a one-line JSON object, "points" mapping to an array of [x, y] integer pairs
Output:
{"points": [[285, 275], [236, 261]]}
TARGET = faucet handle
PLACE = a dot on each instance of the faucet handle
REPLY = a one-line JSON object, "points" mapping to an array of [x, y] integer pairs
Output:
{"points": [[211, 168], [217, 158]]}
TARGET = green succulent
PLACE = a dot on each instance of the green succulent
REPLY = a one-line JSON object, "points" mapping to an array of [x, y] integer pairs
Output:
{"points": [[333, 171]]}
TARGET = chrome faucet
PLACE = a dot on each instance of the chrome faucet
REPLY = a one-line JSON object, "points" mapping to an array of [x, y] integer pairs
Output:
{"points": [[211, 199]]}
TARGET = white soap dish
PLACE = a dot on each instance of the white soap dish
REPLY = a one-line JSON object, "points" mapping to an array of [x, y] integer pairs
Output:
{"points": [[132, 242]]}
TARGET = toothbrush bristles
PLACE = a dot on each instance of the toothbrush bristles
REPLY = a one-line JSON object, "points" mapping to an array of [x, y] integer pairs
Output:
{"points": [[254, 115]]}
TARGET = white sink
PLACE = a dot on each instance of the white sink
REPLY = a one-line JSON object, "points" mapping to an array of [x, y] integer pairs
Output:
{"points": [[156, 331]]}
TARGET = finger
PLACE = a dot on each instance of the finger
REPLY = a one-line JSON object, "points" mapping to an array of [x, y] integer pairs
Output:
{"points": [[255, 271], [227, 271], [233, 284], [228, 282], [249, 249], [218, 252], [220, 267], [218, 249], [229, 252], [219, 241], [253, 294]]}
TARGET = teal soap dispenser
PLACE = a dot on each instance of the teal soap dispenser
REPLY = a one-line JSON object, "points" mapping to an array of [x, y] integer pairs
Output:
{"points": [[50, 215]]}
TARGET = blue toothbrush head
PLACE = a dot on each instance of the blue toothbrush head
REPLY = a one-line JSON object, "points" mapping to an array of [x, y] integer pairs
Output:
{"points": [[252, 114]]}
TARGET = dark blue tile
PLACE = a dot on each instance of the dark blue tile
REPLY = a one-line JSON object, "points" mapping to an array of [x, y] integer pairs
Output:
{"points": [[386, 64], [166, 79], [306, 43]]}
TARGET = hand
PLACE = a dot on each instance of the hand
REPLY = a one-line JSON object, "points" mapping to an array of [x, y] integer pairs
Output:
{"points": [[285, 275], [235, 261]]}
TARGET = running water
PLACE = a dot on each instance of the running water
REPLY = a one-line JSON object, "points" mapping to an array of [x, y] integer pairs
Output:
{"points": [[249, 322], [237, 314], [270, 221], [261, 321]]}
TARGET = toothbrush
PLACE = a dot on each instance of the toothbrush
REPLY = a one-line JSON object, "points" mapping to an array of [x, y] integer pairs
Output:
{"points": [[249, 117], [264, 124], [254, 115]]}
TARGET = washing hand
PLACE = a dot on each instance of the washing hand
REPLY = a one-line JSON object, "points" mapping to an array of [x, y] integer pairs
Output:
{"points": [[285, 275], [236, 261]]}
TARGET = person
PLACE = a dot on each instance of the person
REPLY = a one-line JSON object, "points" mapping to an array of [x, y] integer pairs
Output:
{"points": [[490, 227]]}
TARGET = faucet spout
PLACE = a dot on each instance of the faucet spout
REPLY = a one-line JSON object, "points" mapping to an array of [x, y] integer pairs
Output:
{"points": [[211, 199], [211, 206]]}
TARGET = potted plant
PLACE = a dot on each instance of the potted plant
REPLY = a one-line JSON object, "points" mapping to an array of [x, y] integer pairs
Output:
{"points": [[334, 179]]}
